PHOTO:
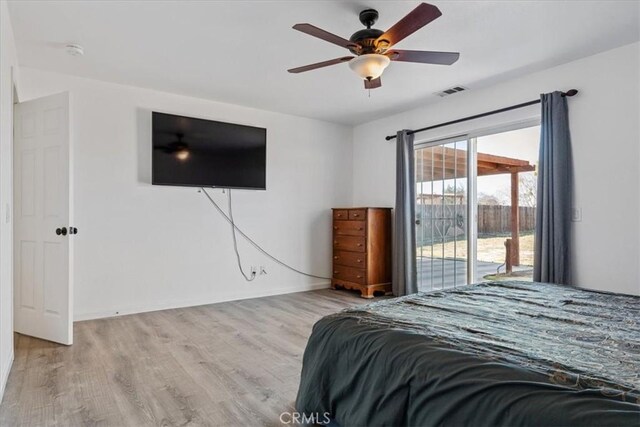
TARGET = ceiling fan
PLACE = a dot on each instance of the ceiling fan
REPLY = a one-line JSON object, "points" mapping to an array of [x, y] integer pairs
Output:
{"points": [[178, 148], [372, 47]]}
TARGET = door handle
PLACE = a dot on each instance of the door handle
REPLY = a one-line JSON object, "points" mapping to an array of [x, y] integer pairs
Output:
{"points": [[62, 231], [73, 230]]}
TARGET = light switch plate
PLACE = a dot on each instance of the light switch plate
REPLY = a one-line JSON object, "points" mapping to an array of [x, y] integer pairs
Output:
{"points": [[576, 214]]}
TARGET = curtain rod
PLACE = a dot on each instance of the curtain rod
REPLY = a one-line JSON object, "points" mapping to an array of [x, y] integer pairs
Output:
{"points": [[570, 92]]}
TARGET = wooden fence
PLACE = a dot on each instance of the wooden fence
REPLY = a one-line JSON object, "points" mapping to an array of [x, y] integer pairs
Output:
{"points": [[444, 222], [497, 219]]}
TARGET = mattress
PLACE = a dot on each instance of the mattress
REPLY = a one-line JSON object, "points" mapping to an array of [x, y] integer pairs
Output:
{"points": [[497, 353]]}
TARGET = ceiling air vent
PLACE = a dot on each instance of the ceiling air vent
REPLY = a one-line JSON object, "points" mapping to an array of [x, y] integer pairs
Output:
{"points": [[451, 91]]}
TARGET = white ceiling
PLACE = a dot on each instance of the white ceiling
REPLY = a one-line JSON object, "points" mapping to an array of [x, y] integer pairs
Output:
{"points": [[238, 51]]}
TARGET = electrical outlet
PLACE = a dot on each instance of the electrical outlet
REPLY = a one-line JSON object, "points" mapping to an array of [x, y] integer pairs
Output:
{"points": [[262, 270], [576, 214]]}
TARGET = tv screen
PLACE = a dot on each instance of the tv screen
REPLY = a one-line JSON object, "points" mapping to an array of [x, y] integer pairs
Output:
{"points": [[206, 153]]}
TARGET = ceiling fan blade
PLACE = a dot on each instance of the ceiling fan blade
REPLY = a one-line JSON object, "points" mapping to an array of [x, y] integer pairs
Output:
{"points": [[320, 64], [423, 56], [372, 84], [416, 19], [325, 35]]}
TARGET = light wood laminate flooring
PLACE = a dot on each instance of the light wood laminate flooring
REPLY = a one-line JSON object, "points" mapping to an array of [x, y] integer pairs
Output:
{"points": [[234, 363]]}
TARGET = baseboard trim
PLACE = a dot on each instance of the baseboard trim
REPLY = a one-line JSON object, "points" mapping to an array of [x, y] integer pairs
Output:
{"points": [[5, 376], [167, 305]]}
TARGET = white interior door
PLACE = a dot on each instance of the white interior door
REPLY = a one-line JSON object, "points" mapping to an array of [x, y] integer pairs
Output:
{"points": [[42, 233]]}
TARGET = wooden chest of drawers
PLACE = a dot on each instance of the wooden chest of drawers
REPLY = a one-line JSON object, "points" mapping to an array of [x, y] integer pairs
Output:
{"points": [[362, 250]]}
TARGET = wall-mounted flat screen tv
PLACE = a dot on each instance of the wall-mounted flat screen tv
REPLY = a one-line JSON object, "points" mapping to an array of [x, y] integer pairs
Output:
{"points": [[205, 153]]}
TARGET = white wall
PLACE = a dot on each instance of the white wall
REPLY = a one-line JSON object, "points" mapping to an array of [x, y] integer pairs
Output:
{"points": [[604, 120], [143, 247], [7, 62]]}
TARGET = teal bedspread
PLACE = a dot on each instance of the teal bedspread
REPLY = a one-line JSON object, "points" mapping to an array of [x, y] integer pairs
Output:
{"points": [[498, 353]]}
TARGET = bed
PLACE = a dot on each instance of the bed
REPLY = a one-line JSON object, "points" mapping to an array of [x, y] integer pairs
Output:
{"points": [[498, 353]]}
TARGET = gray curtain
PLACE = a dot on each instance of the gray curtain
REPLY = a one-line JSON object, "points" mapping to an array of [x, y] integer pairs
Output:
{"points": [[553, 213], [404, 237]]}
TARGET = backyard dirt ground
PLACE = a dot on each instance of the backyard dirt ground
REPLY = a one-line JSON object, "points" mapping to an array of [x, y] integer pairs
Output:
{"points": [[490, 249]]}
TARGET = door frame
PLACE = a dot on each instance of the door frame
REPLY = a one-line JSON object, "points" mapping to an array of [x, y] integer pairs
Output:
{"points": [[471, 138]]}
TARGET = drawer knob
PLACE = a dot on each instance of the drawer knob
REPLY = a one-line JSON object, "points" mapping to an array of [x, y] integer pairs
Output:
{"points": [[335, 242], [336, 272], [359, 244], [359, 260], [356, 215], [339, 215], [360, 229], [335, 227], [335, 257], [359, 276]]}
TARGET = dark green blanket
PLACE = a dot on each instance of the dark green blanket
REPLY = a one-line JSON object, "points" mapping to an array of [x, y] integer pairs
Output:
{"points": [[500, 353]]}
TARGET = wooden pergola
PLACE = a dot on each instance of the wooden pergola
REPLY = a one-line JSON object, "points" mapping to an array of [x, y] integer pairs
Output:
{"points": [[443, 163]]}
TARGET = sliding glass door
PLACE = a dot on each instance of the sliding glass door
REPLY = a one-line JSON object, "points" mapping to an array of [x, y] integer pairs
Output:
{"points": [[475, 208], [506, 204], [441, 215]]}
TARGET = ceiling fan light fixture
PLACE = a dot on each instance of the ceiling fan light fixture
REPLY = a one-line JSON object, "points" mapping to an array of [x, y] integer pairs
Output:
{"points": [[182, 153], [369, 66]]}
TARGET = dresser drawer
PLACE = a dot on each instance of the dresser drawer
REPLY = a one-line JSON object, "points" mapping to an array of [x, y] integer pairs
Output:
{"points": [[340, 214], [349, 243], [349, 274], [357, 214], [350, 259], [349, 228]]}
